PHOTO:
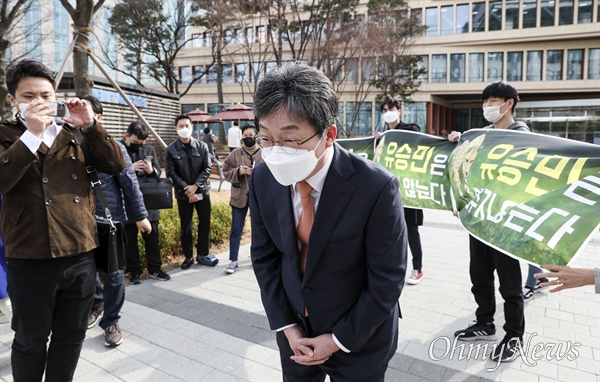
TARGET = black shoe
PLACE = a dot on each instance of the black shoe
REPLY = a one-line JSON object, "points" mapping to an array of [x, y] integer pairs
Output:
{"points": [[507, 350], [162, 276], [209, 261], [477, 331], [135, 278], [187, 262]]}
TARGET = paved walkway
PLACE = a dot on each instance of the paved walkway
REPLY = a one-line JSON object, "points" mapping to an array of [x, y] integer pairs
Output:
{"points": [[204, 325]]}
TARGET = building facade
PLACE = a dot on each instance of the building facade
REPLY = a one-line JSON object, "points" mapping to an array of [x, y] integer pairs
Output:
{"points": [[548, 49]]}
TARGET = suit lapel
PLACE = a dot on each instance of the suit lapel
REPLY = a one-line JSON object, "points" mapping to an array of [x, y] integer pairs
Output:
{"points": [[62, 139], [336, 195]]}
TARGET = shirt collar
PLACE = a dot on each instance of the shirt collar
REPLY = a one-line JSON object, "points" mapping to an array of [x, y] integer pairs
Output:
{"points": [[317, 181]]}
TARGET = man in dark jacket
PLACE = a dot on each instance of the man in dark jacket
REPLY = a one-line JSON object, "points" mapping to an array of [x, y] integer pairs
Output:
{"points": [[145, 164], [48, 227], [119, 190], [188, 164], [499, 102], [392, 112]]}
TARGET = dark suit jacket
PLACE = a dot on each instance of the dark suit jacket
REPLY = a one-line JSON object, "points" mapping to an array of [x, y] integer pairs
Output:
{"points": [[178, 167], [356, 260]]}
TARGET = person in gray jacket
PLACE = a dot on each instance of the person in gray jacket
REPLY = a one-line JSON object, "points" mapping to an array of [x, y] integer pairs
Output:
{"points": [[120, 190]]}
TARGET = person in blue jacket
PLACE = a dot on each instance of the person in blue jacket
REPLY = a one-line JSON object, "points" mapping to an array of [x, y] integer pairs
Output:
{"points": [[125, 201]]}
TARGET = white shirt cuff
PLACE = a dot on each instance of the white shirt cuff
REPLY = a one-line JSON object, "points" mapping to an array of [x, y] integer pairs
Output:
{"points": [[285, 327], [31, 141], [339, 344]]}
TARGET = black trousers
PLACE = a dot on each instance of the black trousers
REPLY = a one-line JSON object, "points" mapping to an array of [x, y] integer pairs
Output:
{"points": [[484, 260], [186, 213], [132, 253], [414, 218], [50, 296]]}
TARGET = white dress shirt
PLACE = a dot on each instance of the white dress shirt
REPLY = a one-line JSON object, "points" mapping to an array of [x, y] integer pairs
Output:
{"points": [[48, 137]]}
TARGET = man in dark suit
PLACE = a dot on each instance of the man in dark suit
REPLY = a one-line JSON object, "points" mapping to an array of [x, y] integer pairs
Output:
{"points": [[328, 236]]}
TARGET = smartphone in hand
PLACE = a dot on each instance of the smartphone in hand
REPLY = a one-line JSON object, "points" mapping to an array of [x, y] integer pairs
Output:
{"points": [[148, 158], [59, 109]]}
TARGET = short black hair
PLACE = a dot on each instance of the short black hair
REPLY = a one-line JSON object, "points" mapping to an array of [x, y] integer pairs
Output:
{"points": [[207, 130], [96, 104], [182, 116], [236, 123], [501, 89], [24, 69], [390, 102], [302, 91], [138, 129], [248, 126]]}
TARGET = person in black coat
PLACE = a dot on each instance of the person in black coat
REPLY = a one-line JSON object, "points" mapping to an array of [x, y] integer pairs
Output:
{"points": [[188, 164], [392, 112], [145, 164]]}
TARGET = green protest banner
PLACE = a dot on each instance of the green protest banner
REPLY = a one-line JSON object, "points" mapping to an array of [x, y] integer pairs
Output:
{"points": [[365, 147], [531, 196]]}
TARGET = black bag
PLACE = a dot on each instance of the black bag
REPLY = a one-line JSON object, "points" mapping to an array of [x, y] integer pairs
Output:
{"points": [[110, 254], [158, 192]]}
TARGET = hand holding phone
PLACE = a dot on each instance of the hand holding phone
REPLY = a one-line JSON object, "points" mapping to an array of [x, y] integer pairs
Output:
{"points": [[148, 158]]}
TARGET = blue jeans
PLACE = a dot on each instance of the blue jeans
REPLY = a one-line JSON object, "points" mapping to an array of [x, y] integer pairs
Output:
{"points": [[112, 296], [238, 217], [49, 297], [532, 281]]}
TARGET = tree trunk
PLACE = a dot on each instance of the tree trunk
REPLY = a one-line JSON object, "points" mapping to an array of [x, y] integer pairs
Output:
{"points": [[81, 75]]}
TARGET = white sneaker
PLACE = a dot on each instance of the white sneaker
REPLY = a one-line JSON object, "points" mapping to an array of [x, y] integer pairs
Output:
{"points": [[232, 267], [415, 277]]}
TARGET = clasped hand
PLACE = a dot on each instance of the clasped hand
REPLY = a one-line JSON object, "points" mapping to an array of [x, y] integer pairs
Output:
{"points": [[310, 351]]}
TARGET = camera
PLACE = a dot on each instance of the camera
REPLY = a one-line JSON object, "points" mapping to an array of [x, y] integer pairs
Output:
{"points": [[59, 109]]}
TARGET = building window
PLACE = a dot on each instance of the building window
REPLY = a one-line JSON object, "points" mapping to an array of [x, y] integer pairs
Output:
{"points": [[368, 69], [361, 116], [594, 64], [423, 64], [241, 73], [256, 72], [431, 20], [512, 14], [462, 18], [495, 17], [197, 40], [514, 66], [239, 36], [584, 14], [249, 35], [447, 14], [185, 75], [270, 66], [227, 74], [352, 70], [32, 25], [547, 13], [529, 13], [260, 33], [415, 112], [565, 12], [208, 39], [478, 14], [438, 68], [211, 76], [554, 65], [534, 66], [228, 36], [457, 67], [461, 119], [416, 12], [61, 35], [494, 72], [198, 71], [575, 64], [475, 67]]}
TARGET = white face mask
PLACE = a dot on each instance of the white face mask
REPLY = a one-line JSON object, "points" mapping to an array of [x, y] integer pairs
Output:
{"points": [[22, 108], [492, 113], [184, 133], [391, 116], [289, 168]]}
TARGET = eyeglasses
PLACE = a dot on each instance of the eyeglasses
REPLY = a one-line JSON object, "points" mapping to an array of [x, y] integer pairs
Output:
{"points": [[287, 144]]}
